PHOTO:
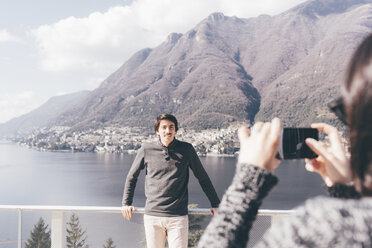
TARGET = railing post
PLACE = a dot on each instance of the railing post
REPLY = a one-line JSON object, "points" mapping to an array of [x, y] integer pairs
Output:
{"points": [[58, 228], [275, 218], [19, 228]]}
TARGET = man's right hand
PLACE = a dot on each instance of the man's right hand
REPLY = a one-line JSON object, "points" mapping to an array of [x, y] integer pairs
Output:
{"points": [[127, 212]]}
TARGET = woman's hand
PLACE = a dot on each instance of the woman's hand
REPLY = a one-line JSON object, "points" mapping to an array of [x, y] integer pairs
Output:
{"points": [[260, 145], [332, 163]]}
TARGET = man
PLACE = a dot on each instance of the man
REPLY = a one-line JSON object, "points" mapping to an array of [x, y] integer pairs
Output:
{"points": [[166, 162]]}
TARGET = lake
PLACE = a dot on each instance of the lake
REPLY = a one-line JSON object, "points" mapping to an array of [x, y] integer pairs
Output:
{"points": [[30, 177]]}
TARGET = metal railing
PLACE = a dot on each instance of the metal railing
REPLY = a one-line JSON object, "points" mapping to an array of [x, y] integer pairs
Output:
{"points": [[58, 217]]}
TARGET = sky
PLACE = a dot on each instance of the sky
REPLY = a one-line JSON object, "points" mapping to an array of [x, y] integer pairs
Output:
{"points": [[55, 47]]}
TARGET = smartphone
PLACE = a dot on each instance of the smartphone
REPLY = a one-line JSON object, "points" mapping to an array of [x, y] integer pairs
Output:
{"points": [[293, 144]]}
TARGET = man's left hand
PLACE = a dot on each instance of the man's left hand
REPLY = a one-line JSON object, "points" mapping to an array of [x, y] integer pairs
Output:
{"points": [[213, 211]]}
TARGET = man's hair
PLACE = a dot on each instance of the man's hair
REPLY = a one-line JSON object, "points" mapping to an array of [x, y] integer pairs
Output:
{"points": [[358, 103], [168, 117]]}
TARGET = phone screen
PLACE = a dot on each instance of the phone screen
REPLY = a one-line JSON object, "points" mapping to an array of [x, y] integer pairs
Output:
{"points": [[293, 144]]}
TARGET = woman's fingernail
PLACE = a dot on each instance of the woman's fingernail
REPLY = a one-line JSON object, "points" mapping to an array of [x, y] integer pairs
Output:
{"points": [[309, 141]]}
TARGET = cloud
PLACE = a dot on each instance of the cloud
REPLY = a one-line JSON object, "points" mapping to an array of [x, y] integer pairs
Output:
{"points": [[103, 41], [15, 104], [5, 36]]}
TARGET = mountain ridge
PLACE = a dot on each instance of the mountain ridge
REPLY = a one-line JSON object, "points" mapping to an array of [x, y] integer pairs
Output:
{"points": [[230, 69]]}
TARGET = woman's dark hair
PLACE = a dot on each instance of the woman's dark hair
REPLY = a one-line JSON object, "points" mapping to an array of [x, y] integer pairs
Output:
{"points": [[358, 103], [168, 117]]}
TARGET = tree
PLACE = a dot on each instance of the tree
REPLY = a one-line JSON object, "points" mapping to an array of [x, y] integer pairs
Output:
{"points": [[40, 236], [195, 228], [109, 243], [75, 235]]}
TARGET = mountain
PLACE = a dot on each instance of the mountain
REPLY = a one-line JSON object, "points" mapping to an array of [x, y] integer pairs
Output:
{"points": [[320, 37], [41, 116], [188, 75], [229, 69]]}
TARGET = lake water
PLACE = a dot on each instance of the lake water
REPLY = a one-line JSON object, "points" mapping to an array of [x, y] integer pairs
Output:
{"points": [[30, 177]]}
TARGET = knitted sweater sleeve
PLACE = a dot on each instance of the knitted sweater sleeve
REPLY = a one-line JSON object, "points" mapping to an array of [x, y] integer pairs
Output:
{"points": [[238, 208], [343, 191]]}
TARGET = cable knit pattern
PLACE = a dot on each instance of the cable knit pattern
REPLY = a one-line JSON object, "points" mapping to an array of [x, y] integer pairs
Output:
{"points": [[324, 222], [320, 222], [238, 208], [343, 191]]}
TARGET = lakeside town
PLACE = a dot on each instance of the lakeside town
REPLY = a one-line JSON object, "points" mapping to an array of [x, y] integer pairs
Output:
{"points": [[210, 142]]}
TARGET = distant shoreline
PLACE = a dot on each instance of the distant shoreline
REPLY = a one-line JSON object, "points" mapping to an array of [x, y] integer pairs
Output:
{"points": [[218, 155], [129, 152]]}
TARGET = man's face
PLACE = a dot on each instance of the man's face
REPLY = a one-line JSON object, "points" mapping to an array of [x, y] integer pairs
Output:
{"points": [[166, 132]]}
